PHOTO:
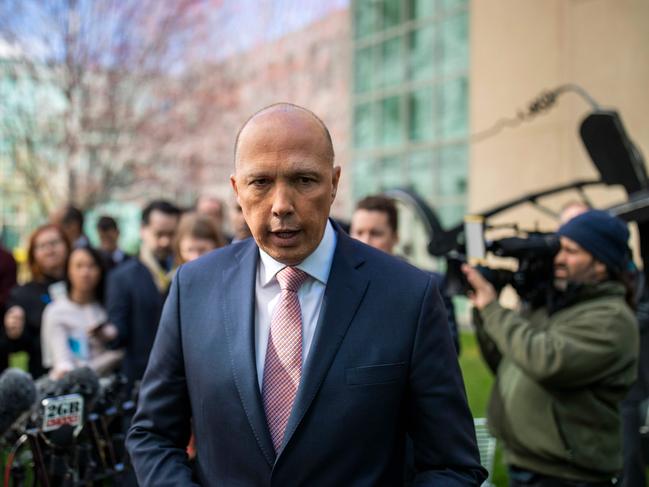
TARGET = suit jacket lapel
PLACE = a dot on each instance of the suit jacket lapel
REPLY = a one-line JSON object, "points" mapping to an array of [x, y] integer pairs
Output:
{"points": [[238, 289], [344, 292]]}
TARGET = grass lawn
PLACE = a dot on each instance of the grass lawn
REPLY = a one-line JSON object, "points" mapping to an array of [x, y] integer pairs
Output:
{"points": [[478, 381]]}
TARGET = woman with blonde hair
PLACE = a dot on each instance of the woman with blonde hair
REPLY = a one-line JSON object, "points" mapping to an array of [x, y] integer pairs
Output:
{"points": [[196, 235]]}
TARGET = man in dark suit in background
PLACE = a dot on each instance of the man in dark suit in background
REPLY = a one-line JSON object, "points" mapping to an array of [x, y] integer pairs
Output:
{"points": [[302, 356], [108, 233], [136, 290]]}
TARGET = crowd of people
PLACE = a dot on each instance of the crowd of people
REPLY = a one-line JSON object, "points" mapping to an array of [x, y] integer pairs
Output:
{"points": [[98, 306], [288, 284]]}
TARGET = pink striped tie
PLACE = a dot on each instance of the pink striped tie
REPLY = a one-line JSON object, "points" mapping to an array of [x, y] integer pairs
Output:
{"points": [[283, 365]]}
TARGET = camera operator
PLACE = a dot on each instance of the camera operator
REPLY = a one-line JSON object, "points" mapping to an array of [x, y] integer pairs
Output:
{"points": [[563, 369]]}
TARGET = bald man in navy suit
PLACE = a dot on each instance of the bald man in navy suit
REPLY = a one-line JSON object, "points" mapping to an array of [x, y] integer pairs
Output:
{"points": [[308, 380]]}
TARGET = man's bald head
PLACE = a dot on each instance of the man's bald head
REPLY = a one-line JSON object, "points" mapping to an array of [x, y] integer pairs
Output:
{"points": [[285, 180], [287, 110]]}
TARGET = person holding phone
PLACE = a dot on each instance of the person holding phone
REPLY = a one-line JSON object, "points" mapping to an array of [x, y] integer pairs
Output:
{"points": [[75, 329]]}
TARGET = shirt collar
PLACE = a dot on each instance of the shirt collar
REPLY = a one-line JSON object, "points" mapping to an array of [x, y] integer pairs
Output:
{"points": [[317, 265]]}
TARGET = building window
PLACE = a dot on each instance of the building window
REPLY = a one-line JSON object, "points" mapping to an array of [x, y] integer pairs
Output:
{"points": [[410, 100]]}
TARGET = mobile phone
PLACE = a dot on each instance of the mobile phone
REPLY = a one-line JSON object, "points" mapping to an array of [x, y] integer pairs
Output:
{"points": [[97, 328]]}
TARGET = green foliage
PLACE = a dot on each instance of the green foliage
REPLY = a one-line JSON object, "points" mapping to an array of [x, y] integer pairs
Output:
{"points": [[478, 381], [19, 360], [477, 377]]}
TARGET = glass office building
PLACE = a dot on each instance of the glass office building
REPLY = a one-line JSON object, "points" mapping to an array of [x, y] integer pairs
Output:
{"points": [[410, 100]]}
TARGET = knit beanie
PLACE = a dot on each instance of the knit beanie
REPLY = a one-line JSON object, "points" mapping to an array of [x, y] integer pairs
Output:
{"points": [[602, 235]]}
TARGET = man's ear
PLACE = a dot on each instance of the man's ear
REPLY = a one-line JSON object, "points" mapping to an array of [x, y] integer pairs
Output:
{"points": [[334, 182], [233, 183], [600, 269]]}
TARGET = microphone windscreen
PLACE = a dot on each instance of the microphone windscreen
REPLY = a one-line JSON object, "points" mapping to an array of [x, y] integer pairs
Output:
{"points": [[17, 395], [46, 387], [82, 381]]}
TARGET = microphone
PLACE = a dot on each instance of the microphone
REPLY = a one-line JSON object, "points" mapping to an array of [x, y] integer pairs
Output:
{"points": [[112, 394], [17, 396], [65, 406], [83, 381], [46, 386]]}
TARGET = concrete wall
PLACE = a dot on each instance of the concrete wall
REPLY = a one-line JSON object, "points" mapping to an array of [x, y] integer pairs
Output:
{"points": [[521, 47]]}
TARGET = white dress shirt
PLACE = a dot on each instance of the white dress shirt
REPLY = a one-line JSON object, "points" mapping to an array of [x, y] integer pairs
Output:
{"points": [[267, 294]]}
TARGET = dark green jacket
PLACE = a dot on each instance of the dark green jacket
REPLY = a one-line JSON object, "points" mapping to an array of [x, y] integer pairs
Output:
{"points": [[555, 403]]}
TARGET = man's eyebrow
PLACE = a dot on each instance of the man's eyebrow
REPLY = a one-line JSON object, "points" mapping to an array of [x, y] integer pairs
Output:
{"points": [[256, 174], [305, 172]]}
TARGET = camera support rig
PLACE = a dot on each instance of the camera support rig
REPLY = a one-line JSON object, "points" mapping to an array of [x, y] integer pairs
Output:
{"points": [[615, 157]]}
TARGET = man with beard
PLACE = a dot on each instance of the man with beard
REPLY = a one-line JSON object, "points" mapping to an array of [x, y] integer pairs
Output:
{"points": [[136, 290], [563, 369]]}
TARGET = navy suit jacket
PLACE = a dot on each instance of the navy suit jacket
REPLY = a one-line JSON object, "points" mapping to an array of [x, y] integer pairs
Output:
{"points": [[134, 305], [381, 364]]}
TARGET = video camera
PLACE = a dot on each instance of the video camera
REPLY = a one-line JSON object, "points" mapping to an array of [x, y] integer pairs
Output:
{"points": [[63, 433], [533, 278]]}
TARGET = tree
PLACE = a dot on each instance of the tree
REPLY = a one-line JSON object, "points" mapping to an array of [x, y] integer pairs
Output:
{"points": [[97, 95]]}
